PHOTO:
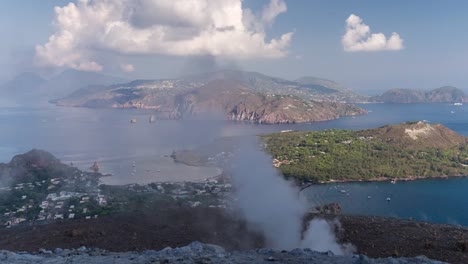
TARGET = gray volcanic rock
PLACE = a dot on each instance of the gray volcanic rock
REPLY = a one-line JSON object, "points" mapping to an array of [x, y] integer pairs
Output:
{"points": [[197, 252], [332, 208]]}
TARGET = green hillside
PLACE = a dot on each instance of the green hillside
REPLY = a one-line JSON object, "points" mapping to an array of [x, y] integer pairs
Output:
{"points": [[405, 151]]}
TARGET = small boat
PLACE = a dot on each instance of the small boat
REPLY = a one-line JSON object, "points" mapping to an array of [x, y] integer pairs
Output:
{"points": [[152, 119], [393, 181], [133, 120], [388, 199], [458, 104], [342, 191]]}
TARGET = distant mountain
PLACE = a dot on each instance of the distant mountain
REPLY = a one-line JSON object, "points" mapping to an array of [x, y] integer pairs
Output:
{"points": [[71, 80], [238, 102], [30, 89], [24, 86], [308, 88], [446, 94], [233, 97], [23, 83], [325, 83]]}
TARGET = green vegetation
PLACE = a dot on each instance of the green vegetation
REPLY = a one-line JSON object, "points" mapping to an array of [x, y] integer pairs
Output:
{"points": [[344, 155]]}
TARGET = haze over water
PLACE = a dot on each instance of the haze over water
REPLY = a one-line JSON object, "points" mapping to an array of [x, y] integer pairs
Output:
{"points": [[82, 136]]}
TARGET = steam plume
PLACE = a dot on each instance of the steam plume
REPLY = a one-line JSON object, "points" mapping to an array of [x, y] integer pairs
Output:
{"points": [[272, 204]]}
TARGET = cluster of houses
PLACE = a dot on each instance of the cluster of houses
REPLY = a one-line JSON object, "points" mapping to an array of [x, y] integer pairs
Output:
{"points": [[209, 193], [56, 204], [60, 203], [12, 219], [22, 186], [56, 207]]}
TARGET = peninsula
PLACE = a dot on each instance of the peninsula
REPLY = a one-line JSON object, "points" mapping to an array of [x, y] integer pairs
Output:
{"points": [[406, 151]]}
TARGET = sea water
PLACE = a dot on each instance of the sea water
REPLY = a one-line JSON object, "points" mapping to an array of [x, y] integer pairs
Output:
{"points": [[139, 152]]}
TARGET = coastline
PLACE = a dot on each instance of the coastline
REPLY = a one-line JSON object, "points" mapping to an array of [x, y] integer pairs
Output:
{"points": [[305, 185], [173, 115], [383, 179]]}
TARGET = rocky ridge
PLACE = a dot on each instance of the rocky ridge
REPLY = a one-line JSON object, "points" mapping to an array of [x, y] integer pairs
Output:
{"points": [[197, 252]]}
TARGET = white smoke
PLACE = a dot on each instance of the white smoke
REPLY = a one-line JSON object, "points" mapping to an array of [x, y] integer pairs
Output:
{"points": [[320, 236], [272, 205]]}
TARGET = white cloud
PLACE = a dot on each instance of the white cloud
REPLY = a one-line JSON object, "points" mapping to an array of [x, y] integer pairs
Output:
{"points": [[272, 10], [178, 28], [127, 67], [358, 37]]}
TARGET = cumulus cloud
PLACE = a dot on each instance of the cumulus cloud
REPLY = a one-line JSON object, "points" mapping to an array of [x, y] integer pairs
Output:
{"points": [[127, 67], [358, 37], [272, 10], [179, 28]]}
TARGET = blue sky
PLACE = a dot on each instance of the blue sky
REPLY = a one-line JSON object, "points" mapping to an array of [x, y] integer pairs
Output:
{"points": [[434, 33]]}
